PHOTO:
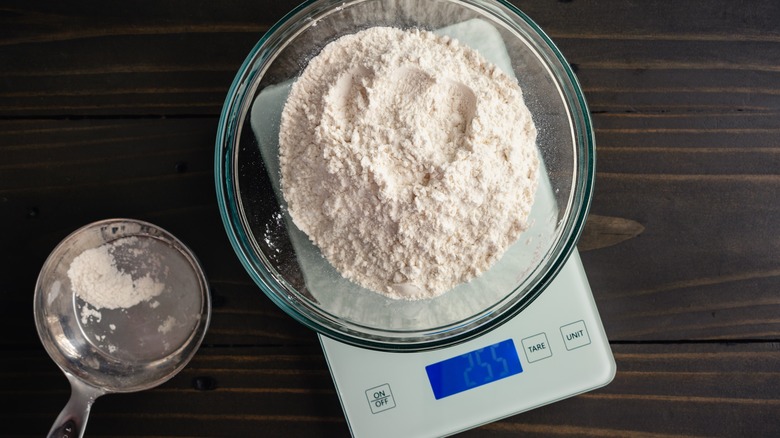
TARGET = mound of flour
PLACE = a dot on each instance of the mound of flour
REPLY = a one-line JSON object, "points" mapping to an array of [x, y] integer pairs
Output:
{"points": [[408, 160]]}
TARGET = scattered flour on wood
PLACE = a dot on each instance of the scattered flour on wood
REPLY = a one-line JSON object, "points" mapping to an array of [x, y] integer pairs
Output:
{"points": [[408, 159]]}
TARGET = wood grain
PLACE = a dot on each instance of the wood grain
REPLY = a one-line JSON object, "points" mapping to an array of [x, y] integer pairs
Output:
{"points": [[85, 58], [604, 231], [111, 110], [660, 390]]}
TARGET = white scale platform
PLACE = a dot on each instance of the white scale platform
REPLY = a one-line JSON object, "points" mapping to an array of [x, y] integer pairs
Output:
{"points": [[560, 343]]}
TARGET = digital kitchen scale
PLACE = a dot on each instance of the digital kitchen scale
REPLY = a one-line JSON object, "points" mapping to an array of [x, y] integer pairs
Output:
{"points": [[554, 349]]}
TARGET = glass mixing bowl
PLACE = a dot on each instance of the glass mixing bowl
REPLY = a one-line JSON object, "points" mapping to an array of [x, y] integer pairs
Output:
{"points": [[291, 271]]}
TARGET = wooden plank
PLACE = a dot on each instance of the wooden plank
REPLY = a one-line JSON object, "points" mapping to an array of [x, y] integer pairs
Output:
{"points": [[153, 57], [699, 270], [660, 390], [703, 187], [655, 19], [172, 58], [689, 144]]}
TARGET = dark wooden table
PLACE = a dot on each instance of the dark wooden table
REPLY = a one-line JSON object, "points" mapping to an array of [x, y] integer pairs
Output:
{"points": [[110, 109]]}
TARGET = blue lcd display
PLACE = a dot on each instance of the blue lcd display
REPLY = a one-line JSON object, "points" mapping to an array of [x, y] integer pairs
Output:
{"points": [[473, 369]]}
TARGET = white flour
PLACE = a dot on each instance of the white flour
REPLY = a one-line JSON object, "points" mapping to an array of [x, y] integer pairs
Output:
{"points": [[96, 279], [408, 159]]}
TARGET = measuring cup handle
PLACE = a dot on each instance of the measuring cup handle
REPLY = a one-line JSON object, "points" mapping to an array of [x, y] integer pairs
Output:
{"points": [[66, 430], [73, 418]]}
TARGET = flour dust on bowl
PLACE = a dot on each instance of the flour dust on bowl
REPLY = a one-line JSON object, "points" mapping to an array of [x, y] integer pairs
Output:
{"points": [[120, 305], [363, 179]]}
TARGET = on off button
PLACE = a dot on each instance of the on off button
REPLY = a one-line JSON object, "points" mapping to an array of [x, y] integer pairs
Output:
{"points": [[380, 398]]}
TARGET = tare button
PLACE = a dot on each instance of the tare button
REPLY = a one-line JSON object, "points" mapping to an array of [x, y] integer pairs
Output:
{"points": [[536, 347], [380, 398], [575, 335]]}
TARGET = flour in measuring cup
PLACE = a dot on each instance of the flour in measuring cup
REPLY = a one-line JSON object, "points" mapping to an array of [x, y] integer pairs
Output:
{"points": [[408, 160], [99, 282]]}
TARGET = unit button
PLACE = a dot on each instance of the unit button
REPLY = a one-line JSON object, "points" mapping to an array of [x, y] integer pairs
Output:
{"points": [[380, 398], [536, 347], [575, 335]]}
